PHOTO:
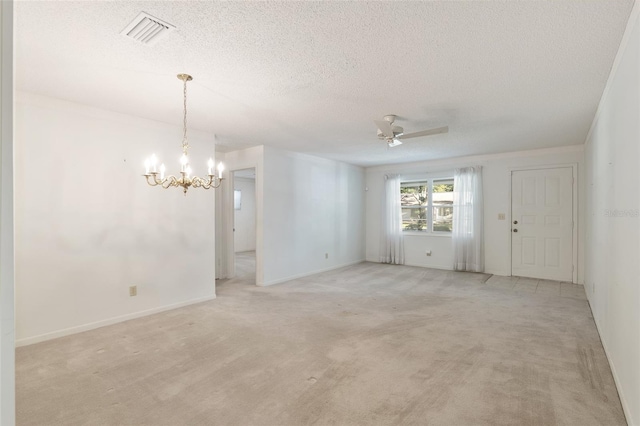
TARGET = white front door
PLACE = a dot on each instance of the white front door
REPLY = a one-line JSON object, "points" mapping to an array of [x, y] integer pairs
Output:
{"points": [[542, 223]]}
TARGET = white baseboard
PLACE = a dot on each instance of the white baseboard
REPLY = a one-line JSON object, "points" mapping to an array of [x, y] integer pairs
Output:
{"points": [[102, 323], [306, 274], [625, 405]]}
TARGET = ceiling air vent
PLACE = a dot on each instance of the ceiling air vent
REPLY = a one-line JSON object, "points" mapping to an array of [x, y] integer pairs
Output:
{"points": [[147, 30]]}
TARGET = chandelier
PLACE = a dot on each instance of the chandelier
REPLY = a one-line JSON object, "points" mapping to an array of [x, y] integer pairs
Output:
{"points": [[185, 181]]}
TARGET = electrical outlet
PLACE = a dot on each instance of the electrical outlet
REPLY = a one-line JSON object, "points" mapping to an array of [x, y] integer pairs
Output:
{"points": [[326, 255], [501, 216], [428, 252], [133, 290]]}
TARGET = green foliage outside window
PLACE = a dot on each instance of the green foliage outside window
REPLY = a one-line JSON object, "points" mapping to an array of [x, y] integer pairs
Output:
{"points": [[414, 212], [443, 187]]}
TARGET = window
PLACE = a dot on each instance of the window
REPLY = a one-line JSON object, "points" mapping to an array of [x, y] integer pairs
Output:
{"points": [[442, 195], [413, 199], [237, 199], [427, 205]]}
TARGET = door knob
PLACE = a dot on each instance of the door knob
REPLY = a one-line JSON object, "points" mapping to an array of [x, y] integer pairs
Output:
{"points": [[515, 222], [515, 230]]}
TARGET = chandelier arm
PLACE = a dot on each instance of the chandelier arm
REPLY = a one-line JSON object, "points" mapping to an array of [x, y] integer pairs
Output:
{"points": [[198, 182], [170, 181], [216, 183], [212, 182], [155, 179]]}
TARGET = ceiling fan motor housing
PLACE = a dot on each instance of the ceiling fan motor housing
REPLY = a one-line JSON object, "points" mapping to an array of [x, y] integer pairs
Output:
{"points": [[397, 131]]}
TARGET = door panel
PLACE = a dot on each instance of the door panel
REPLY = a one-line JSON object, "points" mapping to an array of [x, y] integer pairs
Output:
{"points": [[542, 223]]}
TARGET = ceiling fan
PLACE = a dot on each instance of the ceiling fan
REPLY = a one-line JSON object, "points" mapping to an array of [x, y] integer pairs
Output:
{"points": [[393, 134]]}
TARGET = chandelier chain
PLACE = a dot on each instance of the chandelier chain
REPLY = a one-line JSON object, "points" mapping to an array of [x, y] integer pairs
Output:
{"points": [[185, 143]]}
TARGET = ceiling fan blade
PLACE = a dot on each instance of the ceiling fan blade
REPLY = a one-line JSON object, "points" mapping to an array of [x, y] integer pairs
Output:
{"points": [[429, 132], [394, 142], [385, 128]]}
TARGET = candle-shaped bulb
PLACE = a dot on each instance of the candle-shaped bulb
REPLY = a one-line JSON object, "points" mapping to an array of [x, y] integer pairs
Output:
{"points": [[220, 169], [210, 165], [154, 162], [184, 161], [162, 170], [188, 170], [147, 163]]}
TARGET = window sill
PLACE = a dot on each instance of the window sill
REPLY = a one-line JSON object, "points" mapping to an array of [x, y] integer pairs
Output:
{"points": [[427, 234]]}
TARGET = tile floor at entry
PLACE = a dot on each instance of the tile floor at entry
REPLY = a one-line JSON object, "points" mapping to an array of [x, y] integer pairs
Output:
{"points": [[541, 287]]}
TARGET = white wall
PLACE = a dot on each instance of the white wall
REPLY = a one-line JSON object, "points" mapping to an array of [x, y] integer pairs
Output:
{"points": [[88, 226], [221, 264], [496, 180], [7, 328], [612, 276], [312, 206], [245, 218]]}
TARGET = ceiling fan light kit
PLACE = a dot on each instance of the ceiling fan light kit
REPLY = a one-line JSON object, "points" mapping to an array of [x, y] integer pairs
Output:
{"points": [[392, 134]]}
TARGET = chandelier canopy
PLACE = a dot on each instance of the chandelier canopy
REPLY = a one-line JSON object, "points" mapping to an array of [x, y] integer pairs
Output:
{"points": [[185, 181]]}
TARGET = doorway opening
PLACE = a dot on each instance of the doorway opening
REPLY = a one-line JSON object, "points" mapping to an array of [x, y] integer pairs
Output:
{"points": [[244, 225]]}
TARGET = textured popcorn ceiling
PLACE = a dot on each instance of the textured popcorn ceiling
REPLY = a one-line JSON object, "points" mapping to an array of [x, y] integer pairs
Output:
{"points": [[311, 76]]}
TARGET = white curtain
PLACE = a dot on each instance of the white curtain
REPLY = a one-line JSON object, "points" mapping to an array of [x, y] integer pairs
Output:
{"points": [[467, 220], [392, 240]]}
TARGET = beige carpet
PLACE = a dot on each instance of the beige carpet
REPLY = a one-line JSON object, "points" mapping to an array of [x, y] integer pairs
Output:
{"points": [[369, 344], [246, 266]]}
